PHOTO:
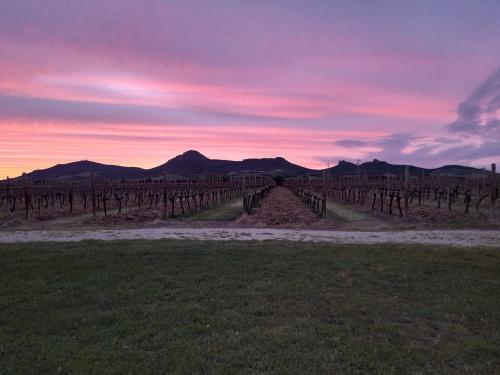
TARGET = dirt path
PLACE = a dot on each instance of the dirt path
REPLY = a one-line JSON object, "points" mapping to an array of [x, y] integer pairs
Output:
{"points": [[280, 208], [437, 237]]}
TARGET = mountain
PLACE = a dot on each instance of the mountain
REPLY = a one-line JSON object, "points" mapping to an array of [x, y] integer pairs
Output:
{"points": [[457, 170], [192, 163], [373, 168], [189, 163], [378, 168], [79, 170]]}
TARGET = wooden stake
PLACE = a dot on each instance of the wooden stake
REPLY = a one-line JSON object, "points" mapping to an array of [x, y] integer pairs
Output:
{"points": [[27, 199], [493, 189], [244, 194], [407, 186], [323, 203], [165, 197], [92, 193]]}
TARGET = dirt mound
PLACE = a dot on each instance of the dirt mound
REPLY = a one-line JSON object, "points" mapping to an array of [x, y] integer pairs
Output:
{"points": [[280, 208]]}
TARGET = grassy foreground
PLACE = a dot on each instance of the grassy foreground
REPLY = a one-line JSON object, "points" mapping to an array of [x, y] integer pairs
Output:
{"points": [[186, 307]]}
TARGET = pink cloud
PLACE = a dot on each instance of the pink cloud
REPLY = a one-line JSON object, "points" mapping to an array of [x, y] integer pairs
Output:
{"points": [[232, 80], [151, 145]]}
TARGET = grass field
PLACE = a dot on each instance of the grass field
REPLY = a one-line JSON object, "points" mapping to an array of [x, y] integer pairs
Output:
{"points": [[344, 213], [225, 211], [187, 307]]}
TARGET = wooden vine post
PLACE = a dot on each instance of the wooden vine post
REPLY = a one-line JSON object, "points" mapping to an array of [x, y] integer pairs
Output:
{"points": [[493, 189], [244, 194], [165, 197], [323, 202], [407, 186], [27, 200], [92, 193]]}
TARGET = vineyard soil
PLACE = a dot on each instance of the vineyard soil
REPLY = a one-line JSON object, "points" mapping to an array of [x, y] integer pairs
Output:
{"points": [[281, 209]]}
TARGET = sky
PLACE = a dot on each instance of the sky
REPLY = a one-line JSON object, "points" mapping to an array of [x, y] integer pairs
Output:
{"points": [[138, 82]]}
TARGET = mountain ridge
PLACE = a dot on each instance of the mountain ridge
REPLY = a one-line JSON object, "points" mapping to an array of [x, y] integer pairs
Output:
{"points": [[193, 163]]}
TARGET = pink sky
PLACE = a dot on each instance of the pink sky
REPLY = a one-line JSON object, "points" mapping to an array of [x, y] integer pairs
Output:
{"points": [[313, 82]]}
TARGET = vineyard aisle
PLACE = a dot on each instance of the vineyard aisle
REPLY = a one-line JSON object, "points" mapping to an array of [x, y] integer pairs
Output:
{"points": [[281, 207], [464, 238]]}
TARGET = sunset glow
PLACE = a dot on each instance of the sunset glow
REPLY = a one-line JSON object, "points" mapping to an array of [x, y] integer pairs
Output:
{"points": [[129, 84]]}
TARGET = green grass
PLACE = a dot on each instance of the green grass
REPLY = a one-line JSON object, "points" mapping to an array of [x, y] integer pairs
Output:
{"points": [[343, 213], [187, 307], [226, 211]]}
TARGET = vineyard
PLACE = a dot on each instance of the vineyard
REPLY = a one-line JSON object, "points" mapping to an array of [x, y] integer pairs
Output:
{"points": [[401, 195], [405, 197], [171, 198]]}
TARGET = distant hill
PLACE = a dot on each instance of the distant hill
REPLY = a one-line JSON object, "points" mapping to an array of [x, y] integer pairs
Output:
{"points": [[193, 163], [378, 168], [79, 170], [457, 170], [373, 168]]}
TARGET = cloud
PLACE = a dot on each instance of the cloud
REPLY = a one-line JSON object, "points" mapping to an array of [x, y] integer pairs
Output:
{"points": [[409, 149], [48, 109], [478, 114], [345, 74], [351, 143], [473, 137]]}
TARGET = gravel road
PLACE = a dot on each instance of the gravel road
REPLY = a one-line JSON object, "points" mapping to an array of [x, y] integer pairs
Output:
{"points": [[463, 238]]}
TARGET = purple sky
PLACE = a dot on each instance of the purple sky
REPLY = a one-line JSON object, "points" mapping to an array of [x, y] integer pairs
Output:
{"points": [[135, 83]]}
